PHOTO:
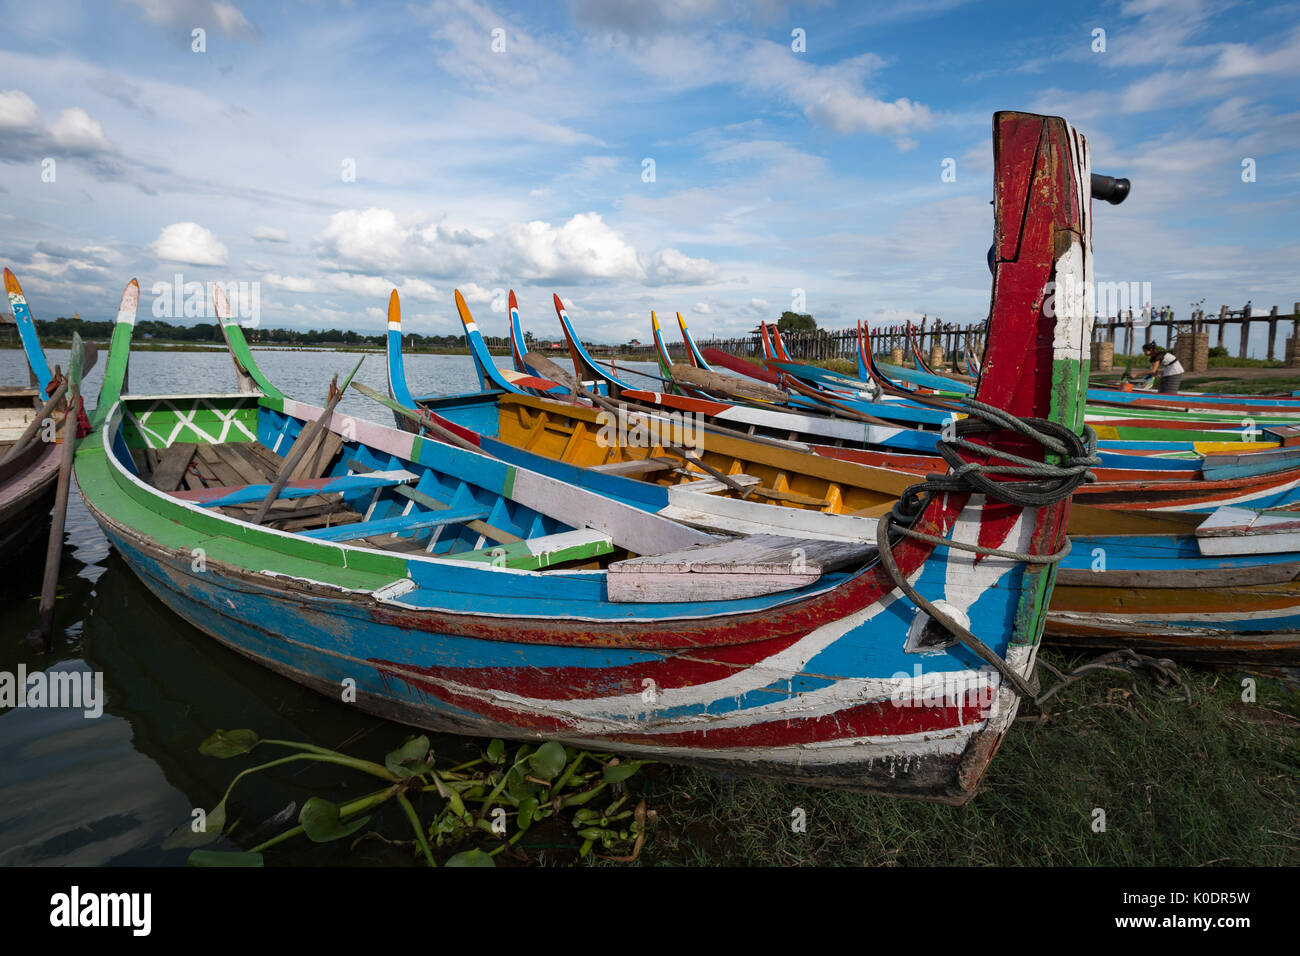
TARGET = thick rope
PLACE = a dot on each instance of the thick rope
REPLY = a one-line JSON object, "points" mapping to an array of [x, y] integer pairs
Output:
{"points": [[1050, 483]]}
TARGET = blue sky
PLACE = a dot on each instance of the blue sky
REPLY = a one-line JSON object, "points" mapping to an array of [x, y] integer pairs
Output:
{"points": [[525, 167]]}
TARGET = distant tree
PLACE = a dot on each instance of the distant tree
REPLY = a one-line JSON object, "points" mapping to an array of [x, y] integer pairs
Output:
{"points": [[795, 322]]}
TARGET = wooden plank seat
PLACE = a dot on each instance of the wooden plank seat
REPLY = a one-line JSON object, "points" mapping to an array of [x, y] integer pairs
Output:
{"points": [[739, 568], [535, 554], [224, 495], [1231, 530], [711, 486], [417, 521], [637, 466], [428, 501]]}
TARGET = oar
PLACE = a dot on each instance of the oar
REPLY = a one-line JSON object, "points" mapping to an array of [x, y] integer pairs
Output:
{"points": [[40, 638], [91, 352], [574, 384], [420, 417], [305, 439]]}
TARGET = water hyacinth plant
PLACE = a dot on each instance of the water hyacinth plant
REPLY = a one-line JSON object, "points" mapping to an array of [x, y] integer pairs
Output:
{"points": [[492, 800]]}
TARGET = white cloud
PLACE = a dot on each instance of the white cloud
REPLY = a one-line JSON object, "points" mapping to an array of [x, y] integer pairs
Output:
{"points": [[375, 240], [190, 243], [188, 14], [584, 247], [24, 137], [18, 111], [290, 283], [269, 234], [701, 308], [673, 267], [463, 44], [474, 293]]}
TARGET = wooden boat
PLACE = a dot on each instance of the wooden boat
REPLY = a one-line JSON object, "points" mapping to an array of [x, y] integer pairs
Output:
{"points": [[812, 682], [29, 461]]}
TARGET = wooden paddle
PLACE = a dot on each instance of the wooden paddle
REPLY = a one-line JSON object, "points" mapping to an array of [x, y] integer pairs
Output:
{"points": [[422, 418], [305, 439], [41, 638]]}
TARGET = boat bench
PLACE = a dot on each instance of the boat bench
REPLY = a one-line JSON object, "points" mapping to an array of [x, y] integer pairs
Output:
{"points": [[538, 553], [221, 495], [401, 524], [637, 466], [731, 569]]}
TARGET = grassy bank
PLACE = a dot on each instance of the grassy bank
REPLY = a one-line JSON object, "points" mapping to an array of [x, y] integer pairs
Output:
{"points": [[1213, 783]]}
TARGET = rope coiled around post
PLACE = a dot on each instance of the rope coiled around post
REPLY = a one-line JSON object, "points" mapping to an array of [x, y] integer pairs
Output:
{"points": [[1048, 483]]}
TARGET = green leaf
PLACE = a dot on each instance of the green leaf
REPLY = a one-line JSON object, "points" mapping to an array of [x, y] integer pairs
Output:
{"points": [[527, 808], [408, 759], [496, 751], [548, 761], [186, 837], [616, 773], [320, 821], [475, 857], [517, 788], [224, 858], [228, 743]]}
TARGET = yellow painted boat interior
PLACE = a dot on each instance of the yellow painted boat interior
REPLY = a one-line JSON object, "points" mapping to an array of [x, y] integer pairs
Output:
{"points": [[789, 478]]}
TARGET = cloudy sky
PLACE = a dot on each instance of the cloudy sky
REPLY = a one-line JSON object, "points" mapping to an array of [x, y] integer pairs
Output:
{"points": [[707, 156]]}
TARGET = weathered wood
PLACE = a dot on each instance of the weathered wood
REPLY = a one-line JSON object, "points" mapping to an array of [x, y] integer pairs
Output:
{"points": [[432, 503], [1180, 577], [400, 524], [636, 466], [173, 465], [728, 385], [20, 445], [747, 567]]}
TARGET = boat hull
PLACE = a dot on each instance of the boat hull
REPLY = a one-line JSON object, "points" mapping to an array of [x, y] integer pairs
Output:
{"points": [[935, 763], [25, 501]]}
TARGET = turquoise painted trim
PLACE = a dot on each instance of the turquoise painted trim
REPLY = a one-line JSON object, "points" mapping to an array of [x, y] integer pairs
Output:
{"points": [[31, 341], [397, 386]]}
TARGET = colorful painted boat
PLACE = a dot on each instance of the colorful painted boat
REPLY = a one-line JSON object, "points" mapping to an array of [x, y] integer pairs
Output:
{"points": [[813, 683], [29, 456], [1137, 575]]}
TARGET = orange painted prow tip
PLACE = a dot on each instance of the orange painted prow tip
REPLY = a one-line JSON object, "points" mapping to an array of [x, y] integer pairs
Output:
{"points": [[11, 282], [462, 307], [559, 303], [512, 302], [394, 308]]}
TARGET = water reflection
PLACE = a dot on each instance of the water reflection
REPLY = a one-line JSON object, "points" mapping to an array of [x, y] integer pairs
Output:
{"points": [[106, 791]]}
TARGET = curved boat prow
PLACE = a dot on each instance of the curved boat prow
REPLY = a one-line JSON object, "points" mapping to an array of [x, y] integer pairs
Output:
{"points": [[489, 376], [584, 366], [398, 390], [27, 333], [119, 354], [661, 354], [693, 354], [249, 375], [518, 344], [525, 375]]}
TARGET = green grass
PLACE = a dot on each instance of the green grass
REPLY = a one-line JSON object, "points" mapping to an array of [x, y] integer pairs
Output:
{"points": [[1210, 783]]}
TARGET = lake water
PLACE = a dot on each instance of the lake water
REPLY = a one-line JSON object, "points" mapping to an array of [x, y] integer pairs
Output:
{"points": [[93, 791]]}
